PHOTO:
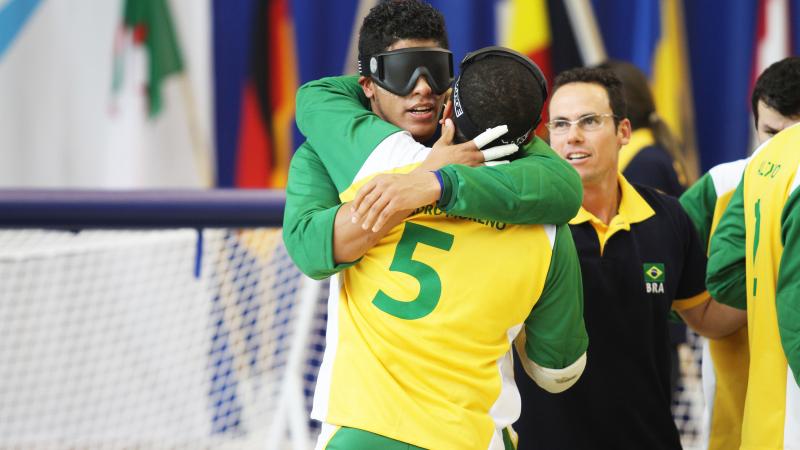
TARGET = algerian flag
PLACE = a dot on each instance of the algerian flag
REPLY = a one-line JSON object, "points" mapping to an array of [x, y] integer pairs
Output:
{"points": [[157, 137], [151, 26], [67, 119]]}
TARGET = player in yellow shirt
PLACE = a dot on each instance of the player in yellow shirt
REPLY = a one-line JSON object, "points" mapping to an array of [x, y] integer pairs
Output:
{"points": [[757, 237], [776, 105]]}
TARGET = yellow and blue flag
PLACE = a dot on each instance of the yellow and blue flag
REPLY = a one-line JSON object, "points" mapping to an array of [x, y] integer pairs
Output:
{"points": [[653, 38]]}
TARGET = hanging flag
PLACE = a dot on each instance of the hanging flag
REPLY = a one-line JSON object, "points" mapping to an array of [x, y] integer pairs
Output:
{"points": [[773, 43], [773, 37], [538, 28], [654, 40], [159, 129], [267, 110], [671, 84], [721, 59], [150, 24], [557, 35]]}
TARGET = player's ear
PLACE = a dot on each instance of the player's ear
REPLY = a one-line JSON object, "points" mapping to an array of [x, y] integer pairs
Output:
{"points": [[447, 112], [624, 131], [367, 85]]}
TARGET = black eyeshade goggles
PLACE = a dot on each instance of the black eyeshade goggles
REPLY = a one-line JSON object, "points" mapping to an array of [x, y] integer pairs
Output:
{"points": [[397, 71]]}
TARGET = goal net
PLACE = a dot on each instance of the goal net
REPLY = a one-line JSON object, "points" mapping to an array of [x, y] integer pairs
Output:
{"points": [[198, 334], [156, 339]]}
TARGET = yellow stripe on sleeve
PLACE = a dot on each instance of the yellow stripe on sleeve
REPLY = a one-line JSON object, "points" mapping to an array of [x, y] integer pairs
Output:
{"points": [[688, 303]]}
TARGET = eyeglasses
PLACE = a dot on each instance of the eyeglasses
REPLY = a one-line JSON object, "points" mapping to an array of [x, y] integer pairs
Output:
{"points": [[589, 122]]}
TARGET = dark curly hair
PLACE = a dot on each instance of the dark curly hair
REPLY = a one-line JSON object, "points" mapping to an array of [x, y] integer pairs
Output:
{"points": [[391, 21], [779, 88], [605, 78], [497, 90]]}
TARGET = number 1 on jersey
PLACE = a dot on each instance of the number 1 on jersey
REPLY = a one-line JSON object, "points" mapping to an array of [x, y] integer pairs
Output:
{"points": [[430, 285], [756, 237]]}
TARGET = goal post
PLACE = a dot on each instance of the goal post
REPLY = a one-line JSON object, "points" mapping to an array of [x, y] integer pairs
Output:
{"points": [[154, 320]]}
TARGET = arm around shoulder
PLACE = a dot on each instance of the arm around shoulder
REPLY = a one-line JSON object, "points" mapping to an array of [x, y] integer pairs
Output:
{"points": [[540, 187], [334, 116], [312, 205]]}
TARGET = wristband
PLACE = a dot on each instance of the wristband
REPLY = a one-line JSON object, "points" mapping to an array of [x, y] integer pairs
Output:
{"points": [[441, 183]]}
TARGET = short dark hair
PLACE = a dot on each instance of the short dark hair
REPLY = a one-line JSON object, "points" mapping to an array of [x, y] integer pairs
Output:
{"points": [[779, 88], [497, 90], [603, 77], [391, 21]]}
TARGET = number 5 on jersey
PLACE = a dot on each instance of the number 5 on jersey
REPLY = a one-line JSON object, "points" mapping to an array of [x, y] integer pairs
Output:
{"points": [[430, 285]]}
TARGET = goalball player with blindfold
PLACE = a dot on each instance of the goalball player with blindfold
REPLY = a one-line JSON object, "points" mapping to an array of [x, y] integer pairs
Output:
{"points": [[426, 300]]}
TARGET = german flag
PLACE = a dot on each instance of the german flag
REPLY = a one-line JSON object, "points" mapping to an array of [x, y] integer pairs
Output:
{"points": [[267, 108]]}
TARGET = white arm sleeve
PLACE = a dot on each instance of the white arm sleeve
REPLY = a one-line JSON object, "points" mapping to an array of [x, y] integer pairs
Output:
{"points": [[551, 380]]}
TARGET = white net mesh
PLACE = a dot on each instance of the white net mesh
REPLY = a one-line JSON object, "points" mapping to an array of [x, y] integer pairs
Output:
{"points": [[153, 339], [172, 340], [688, 403]]}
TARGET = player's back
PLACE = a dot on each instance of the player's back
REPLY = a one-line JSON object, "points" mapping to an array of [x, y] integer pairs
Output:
{"points": [[420, 328], [770, 181]]}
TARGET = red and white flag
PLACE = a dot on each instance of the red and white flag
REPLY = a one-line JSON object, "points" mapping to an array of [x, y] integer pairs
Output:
{"points": [[773, 40]]}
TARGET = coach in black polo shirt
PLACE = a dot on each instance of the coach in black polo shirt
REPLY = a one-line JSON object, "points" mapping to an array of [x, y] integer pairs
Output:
{"points": [[640, 257]]}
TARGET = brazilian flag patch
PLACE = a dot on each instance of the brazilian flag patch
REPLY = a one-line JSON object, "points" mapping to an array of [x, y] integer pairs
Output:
{"points": [[653, 272]]}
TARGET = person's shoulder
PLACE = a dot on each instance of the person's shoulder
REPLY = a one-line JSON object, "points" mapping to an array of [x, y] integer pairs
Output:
{"points": [[652, 161], [304, 154], [536, 145], [666, 207], [653, 166], [304, 149], [337, 80], [325, 89], [670, 222], [652, 154]]}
